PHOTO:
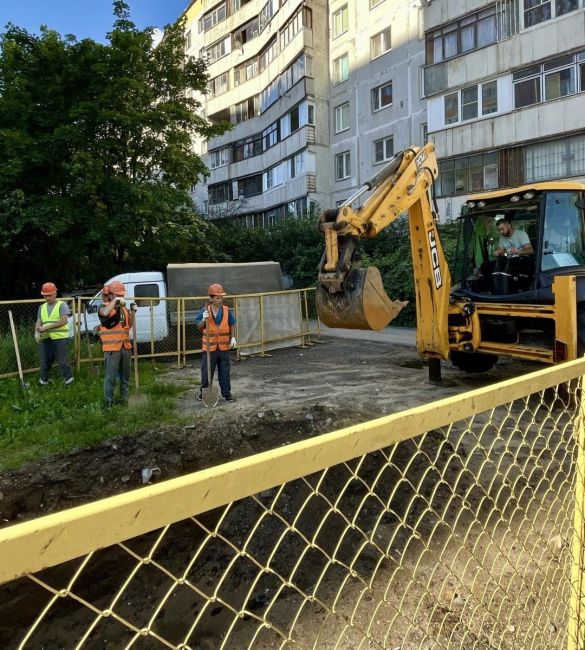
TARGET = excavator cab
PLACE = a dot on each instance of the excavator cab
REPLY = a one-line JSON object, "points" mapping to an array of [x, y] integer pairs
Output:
{"points": [[549, 217]]}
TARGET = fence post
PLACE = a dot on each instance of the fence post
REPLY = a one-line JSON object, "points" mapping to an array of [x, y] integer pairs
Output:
{"points": [[77, 331], [179, 305], [576, 631]]}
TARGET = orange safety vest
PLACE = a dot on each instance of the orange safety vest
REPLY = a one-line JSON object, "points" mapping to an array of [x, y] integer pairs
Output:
{"points": [[118, 337], [219, 335]]}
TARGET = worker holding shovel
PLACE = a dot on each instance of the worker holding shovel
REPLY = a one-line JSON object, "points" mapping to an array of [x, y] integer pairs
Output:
{"points": [[216, 321], [115, 325]]}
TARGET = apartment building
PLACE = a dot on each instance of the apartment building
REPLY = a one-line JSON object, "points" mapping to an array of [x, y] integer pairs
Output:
{"points": [[505, 84], [320, 93]]}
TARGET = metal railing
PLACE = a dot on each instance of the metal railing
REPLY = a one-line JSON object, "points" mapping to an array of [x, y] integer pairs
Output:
{"points": [[458, 524], [166, 327]]}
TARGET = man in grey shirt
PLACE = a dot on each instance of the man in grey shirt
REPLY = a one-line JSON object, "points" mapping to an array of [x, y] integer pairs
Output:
{"points": [[513, 243]]}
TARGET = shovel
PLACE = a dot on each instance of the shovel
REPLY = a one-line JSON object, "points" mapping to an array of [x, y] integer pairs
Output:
{"points": [[24, 385], [137, 398], [209, 395], [93, 369]]}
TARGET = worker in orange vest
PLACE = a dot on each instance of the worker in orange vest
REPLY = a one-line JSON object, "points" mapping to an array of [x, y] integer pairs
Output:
{"points": [[216, 322], [115, 325]]}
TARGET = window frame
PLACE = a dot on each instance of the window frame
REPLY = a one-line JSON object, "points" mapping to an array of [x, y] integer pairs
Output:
{"points": [[337, 69], [345, 159], [381, 36], [377, 94], [384, 142], [344, 22], [337, 111]]}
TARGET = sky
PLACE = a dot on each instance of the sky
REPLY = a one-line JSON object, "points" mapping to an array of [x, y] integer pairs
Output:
{"points": [[86, 18]]}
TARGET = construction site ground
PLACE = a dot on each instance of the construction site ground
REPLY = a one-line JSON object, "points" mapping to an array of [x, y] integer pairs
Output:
{"points": [[289, 396]]}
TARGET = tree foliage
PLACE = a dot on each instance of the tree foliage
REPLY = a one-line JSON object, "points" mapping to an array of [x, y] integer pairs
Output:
{"points": [[96, 161]]}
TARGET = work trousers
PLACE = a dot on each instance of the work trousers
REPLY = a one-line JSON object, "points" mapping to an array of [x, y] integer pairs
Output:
{"points": [[117, 366], [51, 350], [219, 359]]}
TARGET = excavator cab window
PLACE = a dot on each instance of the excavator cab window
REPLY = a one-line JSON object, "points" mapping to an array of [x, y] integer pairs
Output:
{"points": [[486, 272], [564, 232]]}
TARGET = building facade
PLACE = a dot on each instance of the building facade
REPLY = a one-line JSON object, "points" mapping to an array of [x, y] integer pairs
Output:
{"points": [[505, 85], [321, 93]]}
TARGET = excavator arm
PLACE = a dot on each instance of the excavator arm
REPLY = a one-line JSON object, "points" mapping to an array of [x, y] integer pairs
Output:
{"points": [[354, 297]]}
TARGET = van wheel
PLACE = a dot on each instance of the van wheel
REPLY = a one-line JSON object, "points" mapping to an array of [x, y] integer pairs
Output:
{"points": [[473, 361], [580, 329]]}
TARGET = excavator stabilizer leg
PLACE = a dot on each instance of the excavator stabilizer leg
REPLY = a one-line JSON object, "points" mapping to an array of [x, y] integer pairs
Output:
{"points": [[362, 305]]}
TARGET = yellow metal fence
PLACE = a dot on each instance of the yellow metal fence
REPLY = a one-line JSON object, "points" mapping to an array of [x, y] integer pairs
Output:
{"points": [[458, 524], [166, 329]]}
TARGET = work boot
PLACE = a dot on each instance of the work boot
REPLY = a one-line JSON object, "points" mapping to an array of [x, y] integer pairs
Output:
{"points": [[44, 382], [69, 381], [200, 395], [227, 398]]}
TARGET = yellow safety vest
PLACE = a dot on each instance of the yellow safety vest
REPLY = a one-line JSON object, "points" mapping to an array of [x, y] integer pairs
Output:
{"points": [[46, 318]]}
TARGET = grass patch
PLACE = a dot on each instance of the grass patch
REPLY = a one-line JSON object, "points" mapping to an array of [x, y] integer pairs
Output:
{"points": [[54, 419]]}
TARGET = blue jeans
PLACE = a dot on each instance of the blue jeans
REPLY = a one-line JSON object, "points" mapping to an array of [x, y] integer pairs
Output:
{"points": [[51, 350], [117, 366], [220, 359]]}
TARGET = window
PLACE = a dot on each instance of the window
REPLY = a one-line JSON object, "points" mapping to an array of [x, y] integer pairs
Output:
{"points": [[217, 50], [213, 17], [219, 157], [537, 11], [219, 193], [270, 136], [469, 103], [271, 178], [342, 166], [383, 149], [468, 174], [375, 3], [188, 40], [268, 54], [555, 159], [551, 80], [297, 165], [147, 292], [340, 23], [250, 186], [342, 118], [246, 33], [295, 119], [381, 97], [303, 17], [341, 69], [469, 33], [219, 85], [245, 71], [380, 43], [489, 98], [247, 109]]}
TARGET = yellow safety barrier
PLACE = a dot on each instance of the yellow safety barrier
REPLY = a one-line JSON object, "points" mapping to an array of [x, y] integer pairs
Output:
{"points": [[458, 524], [166, 327]]}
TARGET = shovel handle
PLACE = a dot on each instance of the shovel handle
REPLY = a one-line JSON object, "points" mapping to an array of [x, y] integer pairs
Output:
{"points": [[135, 350], [208, 352], [16, 350]]}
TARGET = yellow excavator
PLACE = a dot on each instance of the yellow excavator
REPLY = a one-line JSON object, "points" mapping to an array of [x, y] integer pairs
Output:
{"points": [[529, 306]]}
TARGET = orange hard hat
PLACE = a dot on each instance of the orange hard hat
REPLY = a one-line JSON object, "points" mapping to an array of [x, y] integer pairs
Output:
{"points": [[216, 290], [48, 288], [117, 288]]}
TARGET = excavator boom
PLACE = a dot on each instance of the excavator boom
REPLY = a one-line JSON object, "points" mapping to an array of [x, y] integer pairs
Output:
{"points": [[353, 297]]}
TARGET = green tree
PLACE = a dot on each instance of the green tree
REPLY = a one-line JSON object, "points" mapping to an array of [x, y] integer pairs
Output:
{"points": [[96, 159]]}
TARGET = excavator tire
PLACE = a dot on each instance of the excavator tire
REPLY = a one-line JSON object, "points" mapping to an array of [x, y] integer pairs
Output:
{"points": [[473, 361]]}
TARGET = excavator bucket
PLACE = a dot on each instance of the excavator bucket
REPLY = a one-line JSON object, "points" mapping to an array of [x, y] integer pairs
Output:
{"points": [[363, 305]]}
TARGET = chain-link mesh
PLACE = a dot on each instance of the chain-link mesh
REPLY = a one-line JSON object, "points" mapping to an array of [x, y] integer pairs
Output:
{"points": [[24, 316], [453, 530], [165, 327]]}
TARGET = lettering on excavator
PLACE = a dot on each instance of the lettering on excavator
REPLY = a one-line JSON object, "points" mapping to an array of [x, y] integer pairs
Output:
{"points": [[435, 259]]}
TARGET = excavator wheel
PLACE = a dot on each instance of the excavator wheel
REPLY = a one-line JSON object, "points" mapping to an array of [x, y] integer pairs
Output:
{"points": [[473, 361], [363, 304]]}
